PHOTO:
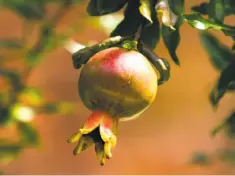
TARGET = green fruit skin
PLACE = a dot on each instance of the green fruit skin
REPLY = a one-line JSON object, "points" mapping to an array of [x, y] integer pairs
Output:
{"points": [[120, 82]]}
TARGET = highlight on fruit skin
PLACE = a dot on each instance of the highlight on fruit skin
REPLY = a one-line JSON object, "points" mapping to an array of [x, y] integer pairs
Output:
{"points": [[116, 84]]}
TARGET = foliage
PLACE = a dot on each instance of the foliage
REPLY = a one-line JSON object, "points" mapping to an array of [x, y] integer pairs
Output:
{"points": [[20, 104], [145, 21]]}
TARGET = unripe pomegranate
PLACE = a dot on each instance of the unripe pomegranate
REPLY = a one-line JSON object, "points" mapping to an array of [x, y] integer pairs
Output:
{"points": [[115, 84]]}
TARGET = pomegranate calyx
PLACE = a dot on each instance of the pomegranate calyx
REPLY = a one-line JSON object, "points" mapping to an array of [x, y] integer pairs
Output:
{"points": [[100, 128]]}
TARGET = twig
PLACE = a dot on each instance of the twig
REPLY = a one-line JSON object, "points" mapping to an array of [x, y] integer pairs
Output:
{"points": [[82, 56], [138, 33], [48, 25]]}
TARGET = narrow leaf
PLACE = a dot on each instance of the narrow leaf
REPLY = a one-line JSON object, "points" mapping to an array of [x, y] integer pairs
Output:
{"points": [[4, 116], [151, 34], [219, 54], [145, 9], [231, 86], [202, 8], [216, 10], [229, 7], [177, 6], [131, 22], [231, 125], [218, 129], [197, 21], [226, 77], [171, 40], [215, 97], [233, 47]]}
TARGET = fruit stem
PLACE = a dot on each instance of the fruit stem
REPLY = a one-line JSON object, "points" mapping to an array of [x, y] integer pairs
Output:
{"points": [[162, 65], [138, 32]]}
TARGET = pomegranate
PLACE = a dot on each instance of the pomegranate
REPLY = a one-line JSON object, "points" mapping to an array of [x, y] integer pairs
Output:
{"points": [[116, 85]]}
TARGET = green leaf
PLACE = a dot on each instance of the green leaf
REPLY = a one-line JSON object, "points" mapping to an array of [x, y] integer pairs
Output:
{"points": [[30, 9], [197, 21], [233, 47], [231, 86], [103, 7], [231, 125], [171, 40], [226, 77], [151, 34], [216, 10], [9, 150], [202, 8], [215, 97], [219, 54], [131, 22], [29, 135], [229, 7], [4, 116], [10, 44], [177, 6], [228, 124], [217, 129], [145, 9]]}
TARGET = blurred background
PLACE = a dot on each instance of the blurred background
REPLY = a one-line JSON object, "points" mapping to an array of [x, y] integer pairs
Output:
{"points": [[162, 140]]}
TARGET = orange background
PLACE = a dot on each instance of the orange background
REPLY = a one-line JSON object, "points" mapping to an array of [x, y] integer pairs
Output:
{"points": [[160, 141]]}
